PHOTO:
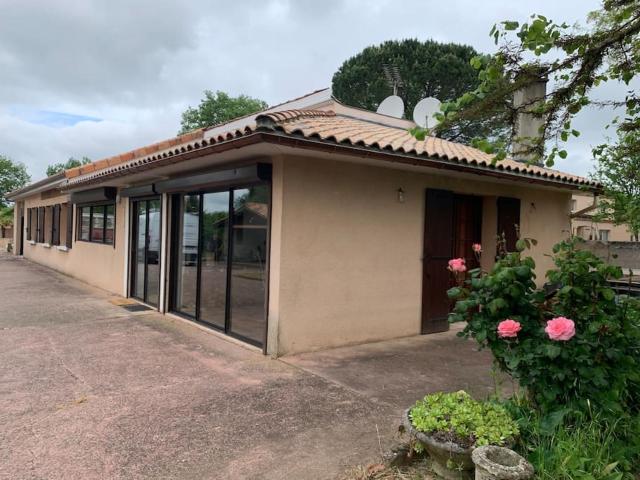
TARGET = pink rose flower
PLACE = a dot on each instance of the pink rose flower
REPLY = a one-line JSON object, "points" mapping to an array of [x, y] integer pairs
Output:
{"points": [[457, 265], [560, 329], [476, 247], [509, 328]]}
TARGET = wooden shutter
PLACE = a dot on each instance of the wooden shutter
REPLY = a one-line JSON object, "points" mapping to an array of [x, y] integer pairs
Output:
{"points": [[438, 249], [55, 225], [509, 221], [29, 223], [69, 239]]}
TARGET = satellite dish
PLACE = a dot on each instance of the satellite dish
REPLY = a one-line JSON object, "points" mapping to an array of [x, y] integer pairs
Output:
{"points": [[424, 111], [392, 106]]}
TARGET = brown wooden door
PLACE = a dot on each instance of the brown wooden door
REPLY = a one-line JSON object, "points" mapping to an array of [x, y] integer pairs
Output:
{"points": [[438, 250], [467, 222], [509, 221]]}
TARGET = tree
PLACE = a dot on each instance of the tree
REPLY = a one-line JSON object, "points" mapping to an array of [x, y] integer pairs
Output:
{"points": [[71, 163], [13, 175], [576, 60], [427, 69], [618, 171], [217, 108]]}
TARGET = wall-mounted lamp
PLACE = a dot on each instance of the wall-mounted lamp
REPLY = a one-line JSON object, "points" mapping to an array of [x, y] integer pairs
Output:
{"points": [[400, 195]]}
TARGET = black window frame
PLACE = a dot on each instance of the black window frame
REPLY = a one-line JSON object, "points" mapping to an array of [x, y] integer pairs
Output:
{"points": [[104, 206]]}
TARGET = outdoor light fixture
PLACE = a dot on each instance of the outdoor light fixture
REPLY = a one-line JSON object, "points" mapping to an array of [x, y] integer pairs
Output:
{"points": [[400, 195]]}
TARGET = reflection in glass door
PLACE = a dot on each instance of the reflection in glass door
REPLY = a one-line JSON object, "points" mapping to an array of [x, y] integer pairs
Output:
{"points": [[145, 250], [220, 279], [213, 269]]}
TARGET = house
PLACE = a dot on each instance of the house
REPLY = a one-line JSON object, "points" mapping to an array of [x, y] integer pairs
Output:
{"points": [[584, 208], [309, 225]]}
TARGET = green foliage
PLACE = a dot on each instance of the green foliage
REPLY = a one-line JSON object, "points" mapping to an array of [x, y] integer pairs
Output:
{"points": [[13, 175], [618, 171], [71, 163], [576, 60], [427, 69], [6, 216], [463, 419], [588, 446], [600, 365], [219, 107]]}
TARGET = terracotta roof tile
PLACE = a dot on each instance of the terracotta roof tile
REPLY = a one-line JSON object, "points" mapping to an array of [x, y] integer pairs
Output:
{"points": [[327, 127]]}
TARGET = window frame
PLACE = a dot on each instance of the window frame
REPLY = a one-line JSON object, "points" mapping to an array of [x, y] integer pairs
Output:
{"points": [[104, 206]]}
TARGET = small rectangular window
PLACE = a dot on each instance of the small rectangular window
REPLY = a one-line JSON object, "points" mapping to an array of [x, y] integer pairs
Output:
{"points": [[96, 223], [604, 235]]}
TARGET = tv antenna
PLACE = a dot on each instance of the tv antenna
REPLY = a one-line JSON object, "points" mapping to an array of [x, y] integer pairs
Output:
{"points": [[393, 104], [392, 75]]}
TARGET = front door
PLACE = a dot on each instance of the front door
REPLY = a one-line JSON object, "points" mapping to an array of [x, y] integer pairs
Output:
{"points": [[452, 225], [145, 250]]}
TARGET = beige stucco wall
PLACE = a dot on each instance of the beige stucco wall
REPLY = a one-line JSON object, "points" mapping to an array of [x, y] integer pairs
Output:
{"points": [[97, 264], [350, 267]]}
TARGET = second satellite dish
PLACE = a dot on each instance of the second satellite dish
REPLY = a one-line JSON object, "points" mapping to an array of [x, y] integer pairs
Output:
{"points": [[424, 111], [392, 106]]}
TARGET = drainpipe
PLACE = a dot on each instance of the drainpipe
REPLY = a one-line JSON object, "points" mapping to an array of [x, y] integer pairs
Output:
{"points": [[529, 124]]}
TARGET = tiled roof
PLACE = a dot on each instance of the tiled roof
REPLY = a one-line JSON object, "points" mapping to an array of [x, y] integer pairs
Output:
{"points": [[328, 128]]}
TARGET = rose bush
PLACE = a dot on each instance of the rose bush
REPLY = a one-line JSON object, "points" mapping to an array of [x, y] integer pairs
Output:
{"points": [[572, 346]]}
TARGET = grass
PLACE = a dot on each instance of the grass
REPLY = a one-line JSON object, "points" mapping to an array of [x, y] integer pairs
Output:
{"points": [[586, 448]]}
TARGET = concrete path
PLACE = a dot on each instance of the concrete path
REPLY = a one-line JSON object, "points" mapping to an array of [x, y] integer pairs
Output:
{"points": [[89, 390]]}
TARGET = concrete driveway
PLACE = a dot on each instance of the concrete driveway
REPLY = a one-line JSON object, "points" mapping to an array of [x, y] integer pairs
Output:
{"points": [[89, 390]]}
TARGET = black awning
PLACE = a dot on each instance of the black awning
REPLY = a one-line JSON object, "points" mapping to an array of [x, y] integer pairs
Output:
{"points": [[95, 195], [139, 191], [259, 172]]}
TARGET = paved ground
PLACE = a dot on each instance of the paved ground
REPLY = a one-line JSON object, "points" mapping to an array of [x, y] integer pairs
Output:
{"points": [[88, 390]]}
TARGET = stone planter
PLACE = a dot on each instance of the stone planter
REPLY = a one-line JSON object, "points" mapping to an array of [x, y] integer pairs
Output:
{"points": [[450, 460], [498, 463]]}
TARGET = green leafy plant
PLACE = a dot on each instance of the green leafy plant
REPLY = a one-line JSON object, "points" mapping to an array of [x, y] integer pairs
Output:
{"points": [[587, 446], [595, 362], [459, 418]]}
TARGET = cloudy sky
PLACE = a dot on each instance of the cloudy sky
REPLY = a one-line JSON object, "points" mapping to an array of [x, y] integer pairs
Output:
{"points": [[99, 77]]}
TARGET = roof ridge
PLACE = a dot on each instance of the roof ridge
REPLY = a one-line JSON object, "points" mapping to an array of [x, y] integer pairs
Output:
{"points": [[270, 119]]}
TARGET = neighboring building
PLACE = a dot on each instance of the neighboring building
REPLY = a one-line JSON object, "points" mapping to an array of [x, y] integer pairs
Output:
{"points": [[583, 209], [309, 225]]}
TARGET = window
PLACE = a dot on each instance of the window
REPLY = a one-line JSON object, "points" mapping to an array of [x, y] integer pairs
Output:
{"points": [[574, 204], [603, 235], [96, 223]]}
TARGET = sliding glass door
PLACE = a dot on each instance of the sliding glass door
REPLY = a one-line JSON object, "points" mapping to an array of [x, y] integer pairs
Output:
{"points": [[220, 278], [145, 250]]}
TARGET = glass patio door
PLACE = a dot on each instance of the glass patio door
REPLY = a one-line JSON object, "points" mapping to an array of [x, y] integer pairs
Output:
{"points": [[145, 250], [220, 266]]}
